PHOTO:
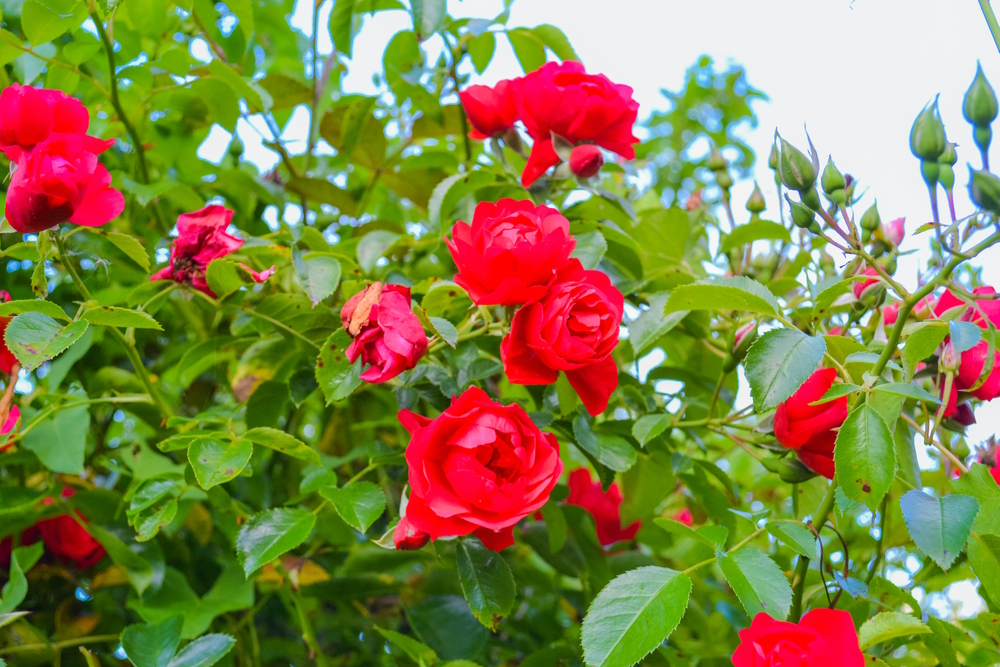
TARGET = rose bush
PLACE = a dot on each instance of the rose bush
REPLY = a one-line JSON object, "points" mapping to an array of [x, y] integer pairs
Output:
{"points": [[473, 372]]}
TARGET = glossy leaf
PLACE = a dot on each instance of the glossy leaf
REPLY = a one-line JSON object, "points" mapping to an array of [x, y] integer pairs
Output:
{"points": [[486, 580], [271, 533], [778, 363], [742, 294], [359, 504], [758, 582], [217, 459], [864, 456], [34, 337]]}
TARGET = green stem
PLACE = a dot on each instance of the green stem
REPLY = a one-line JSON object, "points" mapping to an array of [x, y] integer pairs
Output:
{"points": [[280, 325], [308, 633], [881, 538], [130, 351], [799, 580], [58, 646], [991, 21], [742, 543]]}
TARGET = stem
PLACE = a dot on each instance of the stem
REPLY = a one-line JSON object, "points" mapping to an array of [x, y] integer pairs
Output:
{"points": [[308, 633], [280, 325], [742, 543], [799, 580], [130, 351], [991, 21], [58, 646], [881, 537]]}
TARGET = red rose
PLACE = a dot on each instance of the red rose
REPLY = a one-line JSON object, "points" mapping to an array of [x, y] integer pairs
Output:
{"points": [[201, 238], [586, 160], [58, 181], [479, 467], [861, 287], [491, 111], [387, 335], [585, 492], [511, 252], [29, 116], [563, 99], [973, 360], [574, 328], [7, 358], [823, 638], [808, 429], [68, 540]]}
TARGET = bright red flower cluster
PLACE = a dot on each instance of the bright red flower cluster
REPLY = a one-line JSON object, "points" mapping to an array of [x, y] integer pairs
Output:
{"points": [[823, 637], [810, 429], [57, 177], [201, 238], [604, 506], [558, 100], [64, 537], [516, 253], [973, 361]]}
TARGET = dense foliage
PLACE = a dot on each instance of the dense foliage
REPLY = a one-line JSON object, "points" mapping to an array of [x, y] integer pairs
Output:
{"points": [[455, 383]]}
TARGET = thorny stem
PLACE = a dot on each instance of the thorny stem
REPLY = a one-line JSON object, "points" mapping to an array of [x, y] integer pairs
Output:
{"points": [[991, 21], [799, 580]]}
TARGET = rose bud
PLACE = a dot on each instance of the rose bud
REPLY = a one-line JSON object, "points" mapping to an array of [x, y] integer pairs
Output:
{"points": [[511, 252], [798, 172], [586, 160], [809, 429], [832, 179], [984, 190], [895, 231], [68, 540], [477, 468], [586, 492], [870, 219], [491, 111], [980, 108], [927, 139], [60, 181], [822, 637], [573, 328], [563, 99], [802, 215], [870, 291], [743, 338], [964, 415], [406, 537], [202, 237], [756, 204], [949, 360], [388, 337]]}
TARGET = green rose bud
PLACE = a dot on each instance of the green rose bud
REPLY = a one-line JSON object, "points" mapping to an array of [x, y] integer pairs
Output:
{"points": [[723, 179], [984, 189], [772, 159], [832, 178], [798, 172], [756, 203], [802, 215], [927, 140], [810, 198], [716, 161], [871, 220], [980, 104]]}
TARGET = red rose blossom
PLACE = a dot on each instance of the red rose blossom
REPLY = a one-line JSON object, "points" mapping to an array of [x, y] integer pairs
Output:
{"points": [[29, 116], [201, 238], [511, 251], [562, 99], [808, 429], [491, 111], [861, 287], [586, 160], [823, 638], [479, 467], [586, 492], [58, 181], [574, 328], [973, 361], [68, 540], [387, 335]]}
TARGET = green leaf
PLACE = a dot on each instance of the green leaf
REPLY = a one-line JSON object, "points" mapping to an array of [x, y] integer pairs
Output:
{"points": [[337, 376], [838, 390], [137, 569], [204, 651], [740, 293], [14, 591], [216, 459], [590, 249], [33, 306], [648, 427], [322, 276], [611, 450], [270, 534], [359, 504], [555, 525], [633, 615], [112, 316], [131, 247], [342, 26], [984, 547], [223, 72], [713, 536], [428, 16], [556, 41], [481, 49], [451, 190], [978, 483], [419, 652], [906, 390], [755, 230], [889, 625], [35, 338], [795, 536], [44, 20], [152, 645], [825, 300], [223, 277], [758, 582], [651, 324], [922, 341], [445, 329], [939, 526], [864, 456], [528, 48], [280, 441], [374, 245], [778, 363], [964, 335], [486, 580], [323, 191], [60, 440]]}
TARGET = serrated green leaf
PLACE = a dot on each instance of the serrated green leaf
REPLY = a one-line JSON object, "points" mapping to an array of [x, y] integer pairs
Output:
{"points": [[112, 316], [359, 504], [216, 460], [152, 645], [922, 341], [648, 427], [486, 580], [610, 450], [939, 526], [35, 337], [906, 390], [889, 625], [337, 376], [795, 536], [271, 533], [778, 363], [131, 247], [280, 441], [758, 582], [739, 293], [33, 306], [652, 324], [14, 591], [204, 651], [755, 230], [864, 456], [713, 536], [374, 245]]}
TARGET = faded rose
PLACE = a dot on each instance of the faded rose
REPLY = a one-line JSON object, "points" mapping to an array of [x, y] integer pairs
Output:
{"points": [[387, 335], [491, 111], [573, 328], [809, 429], [604, 506], [479, 467], [511, 251], [823, 638], [61, 181], [562, 99]]}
